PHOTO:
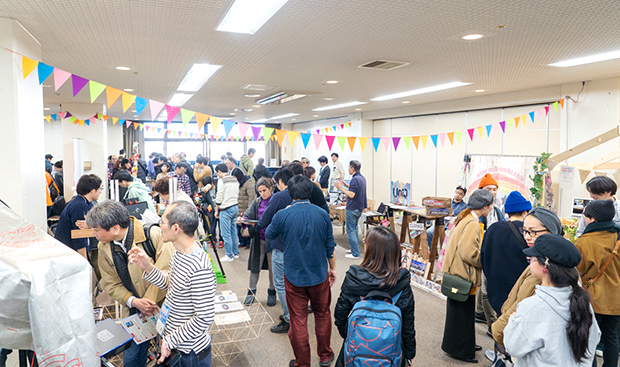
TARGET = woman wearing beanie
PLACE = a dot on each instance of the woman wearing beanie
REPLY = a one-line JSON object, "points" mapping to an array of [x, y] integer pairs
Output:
{"points": [[597, 246], [487, 182], [463, 259], [538, 221], [554, 327]]}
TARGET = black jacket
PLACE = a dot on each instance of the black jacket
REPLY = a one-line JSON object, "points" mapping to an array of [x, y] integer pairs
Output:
{"points": [[142, 170], [324, 179], [261, 171], [358, 283]]}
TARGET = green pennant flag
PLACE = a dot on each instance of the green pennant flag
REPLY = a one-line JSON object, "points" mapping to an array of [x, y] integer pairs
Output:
{"points": [[186, 115], [458, 135], [95, 90], [267, 131], [341, 141], [407, 141]]}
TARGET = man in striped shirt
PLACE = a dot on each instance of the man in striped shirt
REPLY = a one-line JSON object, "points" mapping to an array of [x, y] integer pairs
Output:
{"points": [[190, 303]]}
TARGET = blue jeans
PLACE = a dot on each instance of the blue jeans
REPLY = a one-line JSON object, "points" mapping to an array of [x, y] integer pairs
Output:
{"points": [[429, 236], [351, 219], [228, 228], [135, 356], [277, 268], [191, 360]]}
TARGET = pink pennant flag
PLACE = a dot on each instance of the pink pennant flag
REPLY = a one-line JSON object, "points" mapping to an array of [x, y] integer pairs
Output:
{"points": [[317, 139], [330, 141], [62, 115], [442, 138], [386, 143], [146, 127], [547, 110], [243, 128], [60, 77], [172, 111], [471, 134], [538, 112], [155, 108], [129, 123]]}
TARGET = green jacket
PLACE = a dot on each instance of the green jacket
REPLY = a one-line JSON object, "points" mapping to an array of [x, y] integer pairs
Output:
{"points": [[137, 189], [247, 166]]}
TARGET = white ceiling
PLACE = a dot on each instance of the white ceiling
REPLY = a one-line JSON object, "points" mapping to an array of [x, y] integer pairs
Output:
{"points": [[309, 42]]}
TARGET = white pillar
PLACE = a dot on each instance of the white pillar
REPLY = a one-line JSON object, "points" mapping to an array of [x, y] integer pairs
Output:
{"points": [[22, 144]]}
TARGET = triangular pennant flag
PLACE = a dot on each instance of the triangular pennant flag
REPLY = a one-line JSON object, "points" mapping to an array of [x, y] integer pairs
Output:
{"points": [[267, 131], [28, 66], [201, 119], [395, 142], [292, 136], [61, 114], [60, 77], [503, 126], [341, 126], [186, 116], [228, 125], [128, 100], [510, 124], [416, 141], [112, 95], [317, 139], [147, 128], [129, 123], [489, 127], [95, 90], [318, 131], [255, 132], [524, 119], [81, 122], [93, 120], [471, 134], [547, 110], [67, 115], [349, 124], [47, 118], [517, 119], [72, 119], [330, 141], [155, 108], [442, 139], [555, 106], [305, 138], [451, 137], [434, 139], [363, 142], [407, 140], [114, 120], [136, 125], [180, 133], [532, 116], [172, 112], [561, 100], [480, 130], [424, 140], [78, 83], [280, 134], [538, 112], [216, 122], [54, 116], [458, 135], [159, 130], [45, 71], [334, 127], [141, 127], [375, 143], [243, 129], [351, 141], [186, 134], [341, 141], [386, 143], [121, 122], [140, 104]]}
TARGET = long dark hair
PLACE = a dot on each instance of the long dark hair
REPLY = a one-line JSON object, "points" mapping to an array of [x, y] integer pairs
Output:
{"points": [[578, 328], [382, 256], [462, 215]]}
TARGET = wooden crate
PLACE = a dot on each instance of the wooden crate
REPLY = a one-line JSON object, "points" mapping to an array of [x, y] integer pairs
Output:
{"points": [[437, 205]]}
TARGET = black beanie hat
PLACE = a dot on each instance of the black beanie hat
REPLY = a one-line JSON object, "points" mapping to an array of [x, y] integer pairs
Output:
{"points": [[601, 210]]}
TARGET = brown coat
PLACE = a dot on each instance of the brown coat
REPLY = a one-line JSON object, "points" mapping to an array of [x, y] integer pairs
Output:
{"points": [[198, 176], [111, 282], [595, 249], [246, 196], [524, 287], [463, 255]]}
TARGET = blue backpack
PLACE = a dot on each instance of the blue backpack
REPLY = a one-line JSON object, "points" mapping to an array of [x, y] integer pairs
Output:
{"points": [[374, 332]]}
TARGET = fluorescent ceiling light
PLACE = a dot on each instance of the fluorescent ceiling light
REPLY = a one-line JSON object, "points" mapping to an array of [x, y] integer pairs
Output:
{"points": [[46, 108], [332, 82], [588, 59], [252, 95], [179, 99], [124, 68], [284, 116], [471, 37], [128, 90], [420, 91], [479, 90], [197, 76], [261, 120], [343, 105], [248, 16]]}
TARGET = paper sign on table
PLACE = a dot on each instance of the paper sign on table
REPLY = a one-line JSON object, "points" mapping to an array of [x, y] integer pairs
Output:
{"points": [[226, 307], [232, 318], [415, 229], [140, 327], [226, 296]]}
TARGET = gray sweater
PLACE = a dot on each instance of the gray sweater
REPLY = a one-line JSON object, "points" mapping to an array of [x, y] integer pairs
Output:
{"points": [[536, 333]]}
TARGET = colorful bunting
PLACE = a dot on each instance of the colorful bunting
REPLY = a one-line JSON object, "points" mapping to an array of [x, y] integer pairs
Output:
{"points": [[255, 132], [363, 141], [555, 106], [434, 139], [458, 135], [28, 66], [407, 140], [489, 127], [305, 138], [442, 139], [172, 112], [424, 140], [140, 104], [395, 142], [503, 126], [95, 90], [416, 140], [562, 102], [78, 83], [201, 120], [267, 131], [216, 122], [128, 100], [243, 129], [547, 110], [317, 139], [112, 95], [186, 116], [375, 143], [60, 77], [330, 141], [44, 72], [480, 130], [114, 120], [292, 136], [451, 137], [517, 121], [532, 116], [228, 125], [341, 141], [386, 143], [471, 134], [351, 141], [155, 108]]}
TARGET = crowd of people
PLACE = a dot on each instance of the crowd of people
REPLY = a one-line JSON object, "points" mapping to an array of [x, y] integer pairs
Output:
{"points": [[546, 301]]}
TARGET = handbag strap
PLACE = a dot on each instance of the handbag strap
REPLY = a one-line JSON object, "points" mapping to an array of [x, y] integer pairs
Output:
{"points": [[615, 251], [519, 236], [456, 249]]}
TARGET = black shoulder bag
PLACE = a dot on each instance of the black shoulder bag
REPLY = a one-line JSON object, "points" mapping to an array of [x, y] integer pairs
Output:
{"points": [[519, 236], [454, 286]]}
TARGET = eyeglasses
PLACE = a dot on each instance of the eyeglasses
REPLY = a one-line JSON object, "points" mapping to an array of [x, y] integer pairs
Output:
{"points": [[530, 259], [534, 233]]}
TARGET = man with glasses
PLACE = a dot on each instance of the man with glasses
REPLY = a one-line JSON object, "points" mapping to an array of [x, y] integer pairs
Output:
{"points": [[118, 233], [458, 205]]}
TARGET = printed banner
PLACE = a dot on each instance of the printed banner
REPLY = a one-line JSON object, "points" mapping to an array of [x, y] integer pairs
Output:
{"points": [[400, 193]]}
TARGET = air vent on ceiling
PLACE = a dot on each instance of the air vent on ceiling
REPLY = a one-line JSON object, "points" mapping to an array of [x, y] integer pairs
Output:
{"points": [[383, 65]]}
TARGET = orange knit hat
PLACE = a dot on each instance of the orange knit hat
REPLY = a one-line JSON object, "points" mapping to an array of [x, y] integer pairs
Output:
{"points": [[487, 180]]}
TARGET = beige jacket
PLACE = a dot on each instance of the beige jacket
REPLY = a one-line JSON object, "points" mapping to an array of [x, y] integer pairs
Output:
{"points": [[463, 255], [198, 176], [111, 282]]}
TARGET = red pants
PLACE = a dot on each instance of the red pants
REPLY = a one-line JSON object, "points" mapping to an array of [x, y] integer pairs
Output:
{"points": [[320, 297]]}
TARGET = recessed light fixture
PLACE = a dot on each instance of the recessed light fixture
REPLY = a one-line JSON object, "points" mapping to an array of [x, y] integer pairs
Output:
{"points": [[128, 90], [331, 82], [261, 120], [358, 109], [472, 37], [248, 16], [256, 106], [294, 119], [179, 99], [343, 105], [588, 59], [135, 115], [328, 99], [197, 76], [420, 91], [133, 111], [232, 114], [405, 102], [252, 95], [124, 68], [46, 108], [479, 90], [316, 115]]}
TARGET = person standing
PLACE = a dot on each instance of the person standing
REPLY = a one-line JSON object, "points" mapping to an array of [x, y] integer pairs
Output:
{"points": [[463, 259], [151, 165], [246, 164], [600, 272], [58, 176], [309, 270], [488, 183], [324, 173], [182, 178], [226, 210], [601, 188], [247, 194], [317, 198], [356, 203], [304, 162], [260, 170], [135, 188], [191, 281], [338, 171], [48, 163], [201, 170], [458, 205]]}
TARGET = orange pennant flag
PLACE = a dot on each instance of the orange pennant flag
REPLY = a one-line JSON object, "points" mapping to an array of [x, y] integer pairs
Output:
{"points": [[480, 130], [136, 125], [128, 100], [280, 136], [363, 142], [105, 117], [28, 65], [562, 102], [292, 135], [201, 119], [112, 95], [516, 122], [351, 140], [451, 138], [416, 140], [349, 124]]}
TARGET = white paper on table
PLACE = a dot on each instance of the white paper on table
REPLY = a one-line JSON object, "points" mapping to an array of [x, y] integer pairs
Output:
{"points": [[232, 318], [141, 328], [226, 297], [226, 307]]}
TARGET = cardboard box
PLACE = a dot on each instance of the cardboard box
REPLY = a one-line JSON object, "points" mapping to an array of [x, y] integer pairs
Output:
{"points": [[437, 202], [439, 211]]}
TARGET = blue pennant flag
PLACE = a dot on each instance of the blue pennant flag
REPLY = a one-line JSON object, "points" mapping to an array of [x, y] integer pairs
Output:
{"points": [[54, 117], [489, 127], [305, 138], [376, 142], [44, 72], [434, 138], [228, 125], [531, 116], [140, 104]]}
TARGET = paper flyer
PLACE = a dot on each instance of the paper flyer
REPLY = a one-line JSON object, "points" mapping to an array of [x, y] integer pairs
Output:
{"points": [[141, 328], [226, 307], [226, 296], [232, 317]]}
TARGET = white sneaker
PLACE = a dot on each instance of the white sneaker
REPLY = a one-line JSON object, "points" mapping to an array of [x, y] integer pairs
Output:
{"points": [[350, 256], [236, 256], [599, 353], [348, 251], [226, 259]]}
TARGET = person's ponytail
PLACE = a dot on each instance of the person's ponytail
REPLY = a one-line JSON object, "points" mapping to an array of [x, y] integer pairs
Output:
{"points": [[578, 328]]}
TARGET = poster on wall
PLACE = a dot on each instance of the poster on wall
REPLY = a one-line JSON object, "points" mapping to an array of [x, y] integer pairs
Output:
{"points": [[400, 193], [511, 173]]}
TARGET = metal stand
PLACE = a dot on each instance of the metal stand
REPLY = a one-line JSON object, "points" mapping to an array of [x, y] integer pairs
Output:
{"points": [[209, 238]]}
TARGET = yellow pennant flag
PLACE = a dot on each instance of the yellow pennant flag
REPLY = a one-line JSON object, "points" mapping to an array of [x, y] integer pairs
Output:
{"points": [[201, 119], [524, 119], [28, 66], [363, 142], [292, 136], [424, 140], [128, 100], [114, 120], [215, 123], [480, 130], [47, 118], [280, 136], [112, 95]]}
